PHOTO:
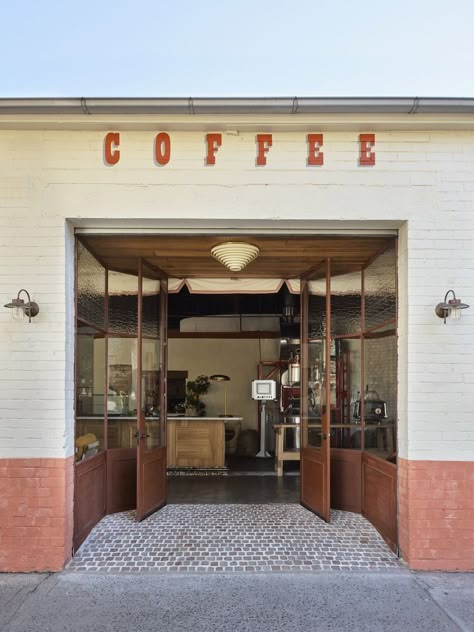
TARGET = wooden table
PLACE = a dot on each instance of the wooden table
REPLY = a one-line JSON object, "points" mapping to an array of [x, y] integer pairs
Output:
{"points": [[384, 433], [196, 442], [281, 454]]}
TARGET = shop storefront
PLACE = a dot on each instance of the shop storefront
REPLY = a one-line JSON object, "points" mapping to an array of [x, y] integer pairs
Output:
{"points": [[360, 216]]}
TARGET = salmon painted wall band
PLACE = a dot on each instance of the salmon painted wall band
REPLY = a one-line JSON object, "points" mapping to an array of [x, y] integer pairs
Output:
{"points": [[213, 141]]}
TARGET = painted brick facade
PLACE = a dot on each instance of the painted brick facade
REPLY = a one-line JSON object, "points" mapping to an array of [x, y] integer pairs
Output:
{"points": [[436, 508], [35, 514], [422, 184]]}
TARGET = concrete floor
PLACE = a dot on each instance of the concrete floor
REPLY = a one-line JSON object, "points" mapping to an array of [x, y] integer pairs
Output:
{"points": [[388, 601], [246, 489]]}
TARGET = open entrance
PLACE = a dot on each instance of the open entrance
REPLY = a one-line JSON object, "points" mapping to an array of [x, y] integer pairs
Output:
{"points": [[160, 321]]}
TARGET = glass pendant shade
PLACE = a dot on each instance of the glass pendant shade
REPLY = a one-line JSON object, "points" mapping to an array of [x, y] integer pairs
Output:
{"points": [[235, 255]]}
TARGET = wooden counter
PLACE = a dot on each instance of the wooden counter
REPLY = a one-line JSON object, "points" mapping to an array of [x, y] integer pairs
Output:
{"points": [[196, 441], [191, 441]]}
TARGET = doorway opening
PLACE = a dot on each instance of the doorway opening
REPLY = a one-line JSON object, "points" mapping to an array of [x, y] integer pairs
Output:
{"points": [[314, 315]]}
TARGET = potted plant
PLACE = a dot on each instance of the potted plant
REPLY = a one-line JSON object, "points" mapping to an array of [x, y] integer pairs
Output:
{"points": [[194, 390]]}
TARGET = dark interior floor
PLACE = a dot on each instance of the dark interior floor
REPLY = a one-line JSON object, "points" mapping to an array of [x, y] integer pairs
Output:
{"points": [[249, 464], [252, 464], [232, 489]]}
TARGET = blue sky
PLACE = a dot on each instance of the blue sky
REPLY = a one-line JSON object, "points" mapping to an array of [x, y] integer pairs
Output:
{"points": [[241, 48]]}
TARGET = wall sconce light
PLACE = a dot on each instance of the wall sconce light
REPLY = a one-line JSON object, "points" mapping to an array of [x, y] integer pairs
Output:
{"points": [[451, 308], [22, 310]]}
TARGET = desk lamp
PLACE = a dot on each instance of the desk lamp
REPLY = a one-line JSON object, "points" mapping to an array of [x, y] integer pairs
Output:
{"points": [[222, 378]]}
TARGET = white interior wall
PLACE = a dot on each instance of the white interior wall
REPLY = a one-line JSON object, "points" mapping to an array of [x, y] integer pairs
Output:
{"points": [[237, 357]]}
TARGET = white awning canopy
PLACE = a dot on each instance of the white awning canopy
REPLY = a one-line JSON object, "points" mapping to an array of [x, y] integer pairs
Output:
{"points": [[233, 286]]}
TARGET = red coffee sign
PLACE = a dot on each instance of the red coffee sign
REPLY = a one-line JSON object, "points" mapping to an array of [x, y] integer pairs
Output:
{"points": [[263, 142]]}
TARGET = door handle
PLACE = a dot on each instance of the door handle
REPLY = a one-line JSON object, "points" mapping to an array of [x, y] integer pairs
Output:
{"points": [[140, 435]]}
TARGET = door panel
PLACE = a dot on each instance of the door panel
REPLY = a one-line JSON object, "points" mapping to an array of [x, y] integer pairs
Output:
{"points": [[121, 479], [151, 395], [316, 392]]}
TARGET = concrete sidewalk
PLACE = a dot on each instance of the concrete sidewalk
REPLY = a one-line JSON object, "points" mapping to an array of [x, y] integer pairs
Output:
{"points": [[382, 601]]}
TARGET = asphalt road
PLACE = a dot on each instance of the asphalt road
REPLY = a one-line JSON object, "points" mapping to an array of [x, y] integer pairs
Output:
{"points": [[379, 601]]}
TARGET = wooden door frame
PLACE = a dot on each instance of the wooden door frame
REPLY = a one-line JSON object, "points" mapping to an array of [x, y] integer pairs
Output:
{"points": [[155, 458], [311, 457]]}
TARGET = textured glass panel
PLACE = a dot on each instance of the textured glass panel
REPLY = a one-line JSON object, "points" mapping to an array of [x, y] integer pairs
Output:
{"points": [[346, 304], [380, 289], [380, 394], [122, 392], [317, 309], [90, 288], [151, 308], [90, 386], [123, 303]]}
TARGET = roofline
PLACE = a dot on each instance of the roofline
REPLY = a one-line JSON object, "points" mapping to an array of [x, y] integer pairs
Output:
{"points": [[230, 105]]}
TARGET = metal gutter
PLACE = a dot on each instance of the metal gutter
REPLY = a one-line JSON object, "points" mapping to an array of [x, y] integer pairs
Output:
{"points": [[266, 105]]}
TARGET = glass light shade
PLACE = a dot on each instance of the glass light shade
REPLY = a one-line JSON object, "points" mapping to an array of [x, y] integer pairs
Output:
{"points": [[451, 308], [18, 314], [235, 255]]}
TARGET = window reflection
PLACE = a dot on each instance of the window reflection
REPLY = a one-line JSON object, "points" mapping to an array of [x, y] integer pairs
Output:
{"points": [[90, 389], [122, 370], [380, 394]]}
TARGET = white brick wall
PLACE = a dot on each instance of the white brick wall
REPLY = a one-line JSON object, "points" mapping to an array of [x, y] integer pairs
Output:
{"points": [[422, 180]]}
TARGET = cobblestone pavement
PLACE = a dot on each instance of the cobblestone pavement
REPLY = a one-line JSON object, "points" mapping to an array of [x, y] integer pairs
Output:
{"points": [[222, 538]]}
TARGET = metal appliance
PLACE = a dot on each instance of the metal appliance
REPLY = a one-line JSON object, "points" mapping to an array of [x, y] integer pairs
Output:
{"points": [[263, 391], [375, 409]]}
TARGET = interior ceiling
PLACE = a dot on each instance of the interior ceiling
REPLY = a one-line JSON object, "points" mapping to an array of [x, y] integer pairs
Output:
{"points": [[190, 256]]}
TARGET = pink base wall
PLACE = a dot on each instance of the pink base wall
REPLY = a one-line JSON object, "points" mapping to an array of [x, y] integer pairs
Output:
{"points": [[36, 510], [436, 514]]}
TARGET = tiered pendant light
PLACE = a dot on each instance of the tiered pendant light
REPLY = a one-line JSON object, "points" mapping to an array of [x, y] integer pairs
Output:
{"points": [[235, 255]]}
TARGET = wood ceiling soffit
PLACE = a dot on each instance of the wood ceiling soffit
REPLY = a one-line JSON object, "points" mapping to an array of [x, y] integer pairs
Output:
{"points": [[189, 256]]}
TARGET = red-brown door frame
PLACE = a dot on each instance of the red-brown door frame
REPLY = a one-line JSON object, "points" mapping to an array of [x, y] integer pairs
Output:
{"points": [[151, 462], [315, 463]]}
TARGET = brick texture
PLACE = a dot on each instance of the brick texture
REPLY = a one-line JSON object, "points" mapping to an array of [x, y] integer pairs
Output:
{"points": [[436, 514], [35, 514]]}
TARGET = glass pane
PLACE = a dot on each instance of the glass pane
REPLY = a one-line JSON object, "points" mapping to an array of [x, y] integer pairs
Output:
{"points": [[90, 288], [123, 303], [317, 308], [380, 395], [151, 362], [346, 304], [90, 388], [122, 392], [380, 289], [347, 437], [316, 390], [345, 424], [151, 308]]}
